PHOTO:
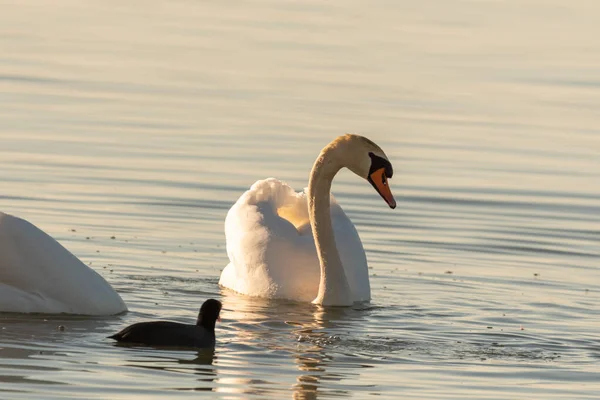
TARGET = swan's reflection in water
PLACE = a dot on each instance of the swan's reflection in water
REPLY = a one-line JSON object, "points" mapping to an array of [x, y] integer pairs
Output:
{"points": [[264, 348], [278, 332]]}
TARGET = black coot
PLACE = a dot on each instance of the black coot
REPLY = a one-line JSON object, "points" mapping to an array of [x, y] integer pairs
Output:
{"points": [[174, 334]]}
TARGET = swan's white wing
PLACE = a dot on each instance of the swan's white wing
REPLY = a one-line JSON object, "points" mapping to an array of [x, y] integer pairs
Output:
{"points": [[271, 248], [270, 257], [39, 275]]}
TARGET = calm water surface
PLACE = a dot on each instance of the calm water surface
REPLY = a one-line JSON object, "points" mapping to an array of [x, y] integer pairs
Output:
{"points": [[127, 130]]}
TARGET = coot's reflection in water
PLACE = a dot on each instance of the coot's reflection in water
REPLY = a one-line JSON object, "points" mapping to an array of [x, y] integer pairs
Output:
{"points": [[177, 369]]}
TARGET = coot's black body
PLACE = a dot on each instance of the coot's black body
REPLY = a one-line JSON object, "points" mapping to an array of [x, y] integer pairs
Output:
{"points": [[175, 334]]}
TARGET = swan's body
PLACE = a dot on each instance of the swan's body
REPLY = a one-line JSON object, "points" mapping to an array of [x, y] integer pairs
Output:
{"points": [[302, 246], [268, 231], [38, 275]]}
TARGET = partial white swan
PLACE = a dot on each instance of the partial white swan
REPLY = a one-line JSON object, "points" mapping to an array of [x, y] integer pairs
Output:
{"points": [[38, 275], [302, 246]]}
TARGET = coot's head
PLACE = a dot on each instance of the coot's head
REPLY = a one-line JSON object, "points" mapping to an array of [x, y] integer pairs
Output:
{"points": [[209, 313]]}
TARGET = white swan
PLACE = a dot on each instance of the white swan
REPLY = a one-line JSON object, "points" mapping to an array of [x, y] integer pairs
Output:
{"points": [[269, 232], [38, 275]]}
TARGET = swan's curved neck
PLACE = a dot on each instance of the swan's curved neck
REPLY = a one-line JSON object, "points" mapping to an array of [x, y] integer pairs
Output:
{"points": [[333, 287]]}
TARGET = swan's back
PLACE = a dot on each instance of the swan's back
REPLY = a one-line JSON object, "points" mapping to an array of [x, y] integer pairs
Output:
{"points": [[271, 247], [39, 275]]}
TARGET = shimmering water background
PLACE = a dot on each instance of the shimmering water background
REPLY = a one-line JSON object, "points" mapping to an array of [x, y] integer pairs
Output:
{"points": [[128, 129]]}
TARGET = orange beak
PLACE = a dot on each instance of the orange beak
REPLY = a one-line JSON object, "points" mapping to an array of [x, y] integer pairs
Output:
{"points": [[380, 183]]}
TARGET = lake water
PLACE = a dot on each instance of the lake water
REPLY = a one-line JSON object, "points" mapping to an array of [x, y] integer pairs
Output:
{"points": [[128, 129]]}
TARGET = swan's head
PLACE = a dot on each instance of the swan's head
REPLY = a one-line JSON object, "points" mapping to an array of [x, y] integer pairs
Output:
{"points": [[363, 157]]}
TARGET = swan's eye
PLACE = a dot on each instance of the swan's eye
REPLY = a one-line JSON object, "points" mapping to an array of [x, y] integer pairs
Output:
{"points": [[378, 163]]}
